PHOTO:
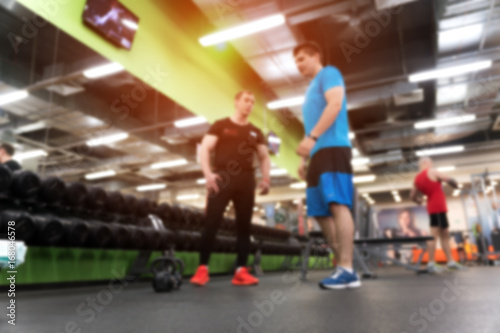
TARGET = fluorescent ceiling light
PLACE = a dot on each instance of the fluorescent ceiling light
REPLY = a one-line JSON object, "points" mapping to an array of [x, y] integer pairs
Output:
{"points": [[185, 197], [201, 181], [364, 179], [285, 103], [461, 37], [169, 164], [395, 193], [351, 135], [365, 195], [13, 97], [440, 151], [360, 161], [278, 172], [243, 30], [30, 154], [100, 174], [446, 168], [451, 94], [152, 187], [31, 127], [298, 185], [104, 70], [130, 24], [355, 152], [445, 121], [107, 139], [190, 122], [450, 71]]}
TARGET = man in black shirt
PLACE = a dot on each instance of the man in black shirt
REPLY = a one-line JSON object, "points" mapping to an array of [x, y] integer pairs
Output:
{"points": [[6, 153], [235, 141]]}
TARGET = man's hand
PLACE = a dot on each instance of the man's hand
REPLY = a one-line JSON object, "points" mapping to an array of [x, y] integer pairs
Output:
{"points": [[264, 186], [305, 147], [211, 185], [303, 169], [453, 183]]}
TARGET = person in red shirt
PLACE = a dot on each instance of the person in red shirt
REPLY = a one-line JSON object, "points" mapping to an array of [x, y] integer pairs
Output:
{"points": [[428, 181]]}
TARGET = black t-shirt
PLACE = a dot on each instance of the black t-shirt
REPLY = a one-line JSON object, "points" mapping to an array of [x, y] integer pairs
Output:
{"points": [[13, 165], [236, 145]]}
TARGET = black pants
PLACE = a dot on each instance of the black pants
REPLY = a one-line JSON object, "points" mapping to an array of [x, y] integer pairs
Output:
{"points": [[241, 190]]}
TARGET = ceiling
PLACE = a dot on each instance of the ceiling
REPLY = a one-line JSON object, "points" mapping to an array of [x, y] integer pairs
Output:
{"points": [[67, 109]]}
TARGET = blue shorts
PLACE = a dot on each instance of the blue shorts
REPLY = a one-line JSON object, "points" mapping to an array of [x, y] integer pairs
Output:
{"points": [[329, 180]]}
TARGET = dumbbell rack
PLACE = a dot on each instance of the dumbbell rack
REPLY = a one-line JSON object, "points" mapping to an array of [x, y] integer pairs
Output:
{"points": [[139, 266]]}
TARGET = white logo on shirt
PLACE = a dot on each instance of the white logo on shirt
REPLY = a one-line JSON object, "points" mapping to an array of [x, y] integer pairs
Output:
{"points": [[253, 134]]}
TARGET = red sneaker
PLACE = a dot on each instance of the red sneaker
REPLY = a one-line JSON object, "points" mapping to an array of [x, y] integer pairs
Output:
{"points": [[200, 278], [243, 278]]}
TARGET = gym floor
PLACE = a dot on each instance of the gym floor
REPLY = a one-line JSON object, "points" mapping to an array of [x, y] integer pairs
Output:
{"points": [[398, 301]]}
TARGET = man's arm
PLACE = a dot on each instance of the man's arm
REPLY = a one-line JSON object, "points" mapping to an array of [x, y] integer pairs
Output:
{"points": [[414, 196], [436, 175], [207, 146], [265, 168], [264, 160], [334, 97]]}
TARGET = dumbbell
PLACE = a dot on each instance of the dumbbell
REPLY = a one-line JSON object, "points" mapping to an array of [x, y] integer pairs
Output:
{"points": [[24, 227], [137, 237], [126, 219], [176, 218], [5, 178], [52, 190], [25, 184], [96, 198], [144, 207], [168, 238], [75, 231], [154, 239], [164, 211], [121, 236], [103, 216], [187, 240], [101, 235], [115, 202], [76, 193], [129, 205], [50, 230]]}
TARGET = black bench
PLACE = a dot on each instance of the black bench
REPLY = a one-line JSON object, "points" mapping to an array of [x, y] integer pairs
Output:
{"points": [[366, 248]]}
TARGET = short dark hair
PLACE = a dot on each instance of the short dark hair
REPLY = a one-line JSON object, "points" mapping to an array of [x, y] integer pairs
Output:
{"points": [[239, 94], [9, 149], [311, 48]]}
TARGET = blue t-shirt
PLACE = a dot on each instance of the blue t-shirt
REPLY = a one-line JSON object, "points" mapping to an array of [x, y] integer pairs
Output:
{"points": [[338, 134]]}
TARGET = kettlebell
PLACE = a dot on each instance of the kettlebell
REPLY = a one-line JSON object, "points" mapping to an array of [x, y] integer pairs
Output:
{"points": [[164, 271]]}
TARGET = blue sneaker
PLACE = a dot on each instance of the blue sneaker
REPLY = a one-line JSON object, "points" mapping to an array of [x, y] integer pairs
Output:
{"points": [[341, 279]]}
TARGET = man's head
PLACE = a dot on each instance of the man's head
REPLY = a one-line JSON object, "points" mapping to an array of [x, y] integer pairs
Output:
{"points": [[424, 163], [244, 102], [308, 58], [6, 151]]}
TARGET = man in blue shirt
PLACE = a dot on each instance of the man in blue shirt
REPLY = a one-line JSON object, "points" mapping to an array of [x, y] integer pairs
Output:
{"points": [[328, 149]]}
